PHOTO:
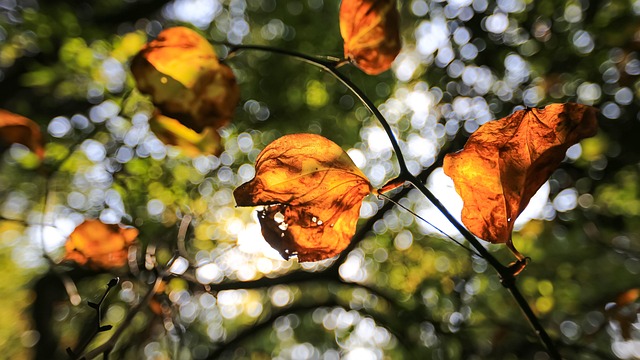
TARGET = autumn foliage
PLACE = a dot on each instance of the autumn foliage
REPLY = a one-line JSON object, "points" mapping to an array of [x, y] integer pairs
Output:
{"points": [[100, 246], [345, 274], [371, 33], [312, 192], [506, 161]]}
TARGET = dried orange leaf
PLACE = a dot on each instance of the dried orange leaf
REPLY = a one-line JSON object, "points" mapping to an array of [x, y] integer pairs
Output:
{"points": [[628, 297], [172, 132], [18, 129], [625, 312], [506, 161], [371, 33], [181, 72], [99, 245], [312, 191]]}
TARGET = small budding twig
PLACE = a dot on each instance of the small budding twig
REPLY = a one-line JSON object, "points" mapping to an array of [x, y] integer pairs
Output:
{"points": [[74, 354], [108, 346]]}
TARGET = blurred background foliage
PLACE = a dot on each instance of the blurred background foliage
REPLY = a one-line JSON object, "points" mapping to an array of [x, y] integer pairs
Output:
{"points": [[405, 291]]}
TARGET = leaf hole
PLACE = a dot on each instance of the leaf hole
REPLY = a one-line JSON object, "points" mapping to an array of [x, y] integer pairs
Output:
{"points": [[278, 217]]}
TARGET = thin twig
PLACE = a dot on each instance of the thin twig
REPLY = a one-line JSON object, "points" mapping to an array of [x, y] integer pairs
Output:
{"points": [[244, 335], [303, 308], [74, 354], [315, 61], [473, 252], [182, 234], [331, 66], [110, 344]]}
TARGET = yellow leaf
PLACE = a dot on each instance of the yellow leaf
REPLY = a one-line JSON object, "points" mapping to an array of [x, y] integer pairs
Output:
{"points": [[506, 161], [99, 245], [371, 33], [172, 132], [181, 72], [18, 129], [312, 191]]}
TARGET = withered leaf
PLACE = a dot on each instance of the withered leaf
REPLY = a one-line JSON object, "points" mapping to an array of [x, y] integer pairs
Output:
{"points": [[371, 33], [506, 161], [18, 129], [181, 72], [99, 245], [312, 191]]}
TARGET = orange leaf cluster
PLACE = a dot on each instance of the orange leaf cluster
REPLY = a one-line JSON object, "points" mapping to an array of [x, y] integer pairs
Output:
{"points": [[99, 245], [181, 72], [371, 33], [18, 129], [312, 191], [506, 161]]}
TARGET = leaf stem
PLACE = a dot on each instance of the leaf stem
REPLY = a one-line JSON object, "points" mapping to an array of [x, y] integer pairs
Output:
{"points": [[315, 61], [404, 170], [331, 66], [465, 233]]}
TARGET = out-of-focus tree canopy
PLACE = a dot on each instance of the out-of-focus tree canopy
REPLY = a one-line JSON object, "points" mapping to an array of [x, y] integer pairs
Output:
{"points": [[405, 290]]}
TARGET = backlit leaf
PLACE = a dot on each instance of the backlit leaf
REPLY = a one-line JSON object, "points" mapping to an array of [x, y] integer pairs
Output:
{"points": [[506, 161], [18, 129], [181, 72], [312, 191], [371, 33], [99, 245], [172, 132]]}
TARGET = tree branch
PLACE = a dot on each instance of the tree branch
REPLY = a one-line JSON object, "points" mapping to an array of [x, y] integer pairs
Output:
{"points": [[97, 328], [507, 274], [299, 309], [108, 346]]}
